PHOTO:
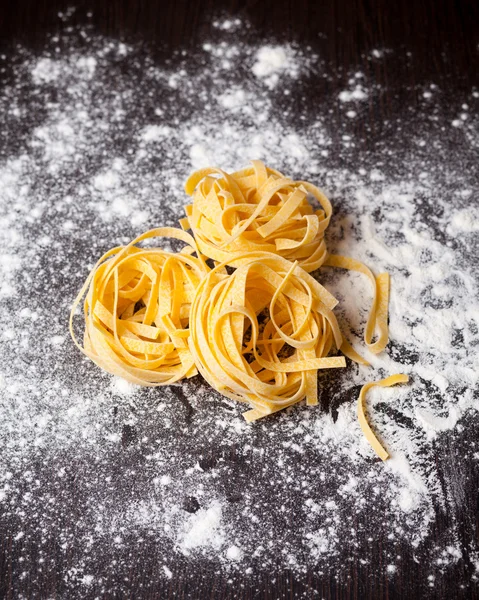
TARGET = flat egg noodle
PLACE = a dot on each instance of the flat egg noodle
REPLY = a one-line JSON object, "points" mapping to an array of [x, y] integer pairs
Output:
{"points": [[136, 310]]}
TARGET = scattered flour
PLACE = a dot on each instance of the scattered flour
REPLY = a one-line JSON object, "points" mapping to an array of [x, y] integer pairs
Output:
{"points": [[275, 63], [464, 221], [228, 24], [167, 572], [234, 553], [270, 60], [46, 70], [357, 93], [204, 530], [391, 569], [122, 387]]}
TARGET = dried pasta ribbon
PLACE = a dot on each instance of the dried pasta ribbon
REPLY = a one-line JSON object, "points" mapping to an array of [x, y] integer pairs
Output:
{"points": [[378, 315], [261, 334], [137, 309], [256, 209], [367, 431]]}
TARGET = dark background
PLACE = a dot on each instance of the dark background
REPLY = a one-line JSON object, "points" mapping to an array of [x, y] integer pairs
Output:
{"points": [[442, 40], [435, 40], [442, 35]]}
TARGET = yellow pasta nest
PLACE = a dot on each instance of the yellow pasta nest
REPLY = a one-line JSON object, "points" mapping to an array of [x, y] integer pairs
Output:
{"points": [[137, 310], [257, 209], [260, 334]]}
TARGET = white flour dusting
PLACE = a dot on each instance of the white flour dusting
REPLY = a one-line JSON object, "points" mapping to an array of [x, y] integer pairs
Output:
{"points": [[357, 91], [203, 530], [99, 141]]}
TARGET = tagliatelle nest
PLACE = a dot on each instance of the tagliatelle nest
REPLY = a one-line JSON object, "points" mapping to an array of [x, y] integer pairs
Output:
{"points": [[255, 209], [137, 310], [258, 334], [240, 355]]}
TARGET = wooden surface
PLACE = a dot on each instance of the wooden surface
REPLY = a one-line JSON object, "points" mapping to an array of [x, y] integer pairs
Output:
{"points": [[344, 31], [442, 37]]}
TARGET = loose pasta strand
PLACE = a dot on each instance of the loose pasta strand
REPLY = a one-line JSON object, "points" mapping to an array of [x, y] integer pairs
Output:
{"points": [[368, 433]]}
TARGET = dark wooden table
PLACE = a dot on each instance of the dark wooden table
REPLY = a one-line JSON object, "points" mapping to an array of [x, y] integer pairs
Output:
{"points": [[343, 31], [443, 37]]}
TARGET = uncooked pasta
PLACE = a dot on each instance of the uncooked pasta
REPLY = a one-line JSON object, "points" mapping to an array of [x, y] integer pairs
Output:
{"points": [[137, 310], [257, 209], [255, 324]]}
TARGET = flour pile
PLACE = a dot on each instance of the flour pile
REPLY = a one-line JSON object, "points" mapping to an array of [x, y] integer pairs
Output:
{"points": [[99, 139]]}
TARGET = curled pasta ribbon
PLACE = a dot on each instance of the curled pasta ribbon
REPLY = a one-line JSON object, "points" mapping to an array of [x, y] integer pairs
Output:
{"points": [[261, 334], [254, 209], [137, 309], [377, 322], [367, 431]]}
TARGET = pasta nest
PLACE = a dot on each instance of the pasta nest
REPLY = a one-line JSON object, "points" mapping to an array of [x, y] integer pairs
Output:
{"points": [[137, 309], [260, 334], [255, 209]]}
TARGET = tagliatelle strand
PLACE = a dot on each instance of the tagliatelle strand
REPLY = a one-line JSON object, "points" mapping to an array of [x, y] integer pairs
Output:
{"points": [[136, 310], [378, 315], [368, 433]]}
